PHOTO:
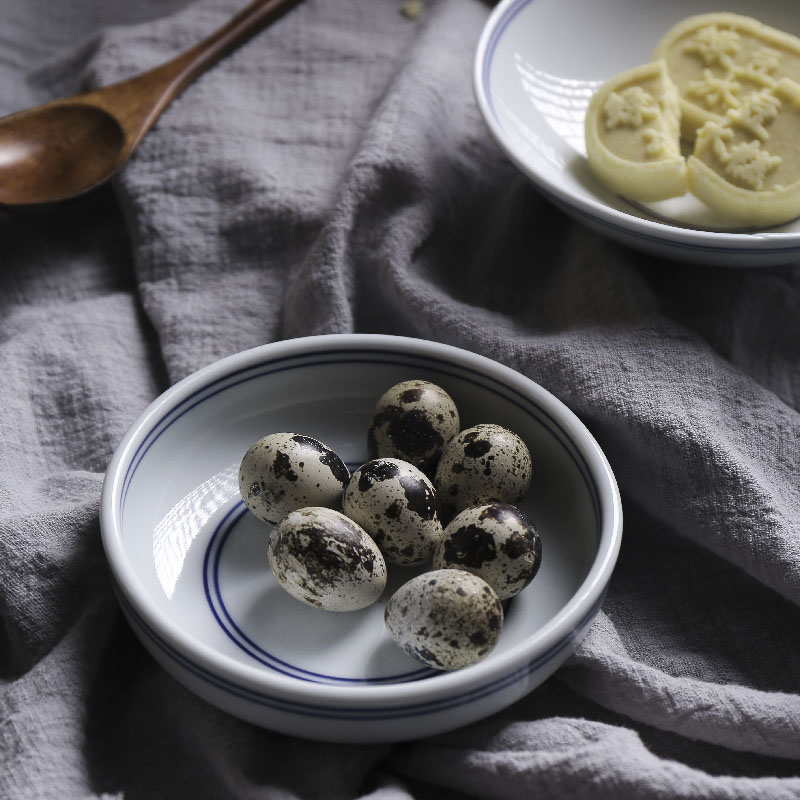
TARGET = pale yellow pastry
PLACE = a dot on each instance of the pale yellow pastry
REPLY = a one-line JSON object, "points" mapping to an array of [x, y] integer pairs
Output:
{"points": [[632, 133], [747, 164], [716, 60]]}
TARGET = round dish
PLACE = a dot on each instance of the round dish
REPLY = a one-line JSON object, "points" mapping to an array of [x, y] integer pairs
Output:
{"points": [[190, 567], [537, 65]]}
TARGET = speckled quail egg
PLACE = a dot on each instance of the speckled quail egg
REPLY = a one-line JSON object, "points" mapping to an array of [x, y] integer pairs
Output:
{"points": [[395, 503], [446, 618], [483, 463], [413, 421], [495, 541], [323, 558], [286, 471]]}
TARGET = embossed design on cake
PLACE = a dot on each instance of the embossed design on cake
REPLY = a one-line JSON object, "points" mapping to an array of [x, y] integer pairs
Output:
{"points": [[714, 45], [633, 107], [718, 60], [746, 163]]}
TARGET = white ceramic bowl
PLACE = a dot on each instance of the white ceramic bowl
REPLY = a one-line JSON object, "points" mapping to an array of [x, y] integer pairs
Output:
{"points": [[190, 567], [538, 63]]}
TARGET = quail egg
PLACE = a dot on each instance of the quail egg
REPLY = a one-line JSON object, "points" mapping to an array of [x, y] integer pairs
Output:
{"points": [[483, 463], [286, 471], [395, 503], [495, 541], [323, 558], [413, 421], [445, 618]]}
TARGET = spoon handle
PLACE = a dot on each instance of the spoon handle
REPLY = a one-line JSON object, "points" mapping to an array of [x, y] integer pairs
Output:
{"points": [[138, 101]]}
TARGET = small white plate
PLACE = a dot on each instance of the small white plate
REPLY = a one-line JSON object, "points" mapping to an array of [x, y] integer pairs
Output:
{"points": [[190, 563], [537, 65]]}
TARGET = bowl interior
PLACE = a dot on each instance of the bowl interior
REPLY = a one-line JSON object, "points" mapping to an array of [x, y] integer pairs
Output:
{"points": [[199, 557], [538, 65]]}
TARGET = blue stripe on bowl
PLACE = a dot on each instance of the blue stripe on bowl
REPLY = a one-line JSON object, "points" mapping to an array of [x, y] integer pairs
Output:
{"points": [[226, 621], [494, 39], [373, 712], [346, 356]]}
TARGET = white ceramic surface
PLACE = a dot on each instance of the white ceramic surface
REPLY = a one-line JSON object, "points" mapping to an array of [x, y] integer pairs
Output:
{"points": [[190, 567], [538, 63]]}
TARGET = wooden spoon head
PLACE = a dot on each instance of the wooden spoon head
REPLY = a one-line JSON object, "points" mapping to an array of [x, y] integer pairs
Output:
{"points": [[57, 151]]}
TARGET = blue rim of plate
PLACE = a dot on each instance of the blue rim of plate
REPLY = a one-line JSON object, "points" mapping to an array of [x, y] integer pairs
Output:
{"points": [[496, 28], [383, 357]]}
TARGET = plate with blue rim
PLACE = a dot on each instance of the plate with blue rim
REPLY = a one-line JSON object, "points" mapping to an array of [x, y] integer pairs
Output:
{"points": [[538, 63]]}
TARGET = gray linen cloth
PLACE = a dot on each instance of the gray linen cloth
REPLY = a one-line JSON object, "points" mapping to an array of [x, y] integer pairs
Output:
{"points": [[334, 175]]}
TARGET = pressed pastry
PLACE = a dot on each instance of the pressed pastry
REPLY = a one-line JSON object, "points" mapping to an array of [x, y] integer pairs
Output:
{"points": [[717, 60], [747, 165], [632, 132]]}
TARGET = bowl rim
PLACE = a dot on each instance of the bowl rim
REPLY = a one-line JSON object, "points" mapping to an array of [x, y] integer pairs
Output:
{"points": [[491, 674], [764, 242]]}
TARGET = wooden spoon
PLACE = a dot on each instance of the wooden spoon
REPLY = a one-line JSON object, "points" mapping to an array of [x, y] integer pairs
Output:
{"points": [[64, 148]]}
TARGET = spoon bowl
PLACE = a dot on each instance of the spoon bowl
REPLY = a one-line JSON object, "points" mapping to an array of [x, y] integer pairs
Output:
{"points": [[65, 148], [42, 153]]}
